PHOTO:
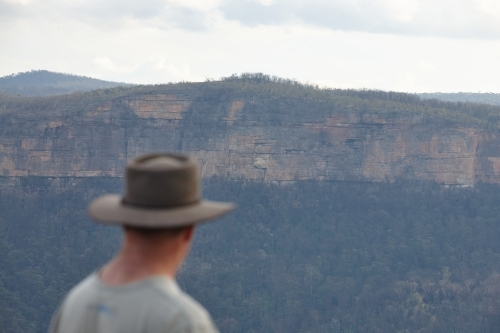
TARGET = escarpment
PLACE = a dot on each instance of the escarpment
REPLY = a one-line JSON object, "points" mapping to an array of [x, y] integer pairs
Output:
{"points": [[267, 132]]}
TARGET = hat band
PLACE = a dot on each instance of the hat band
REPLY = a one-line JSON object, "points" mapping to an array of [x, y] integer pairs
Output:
{"points": [[126, 203]]}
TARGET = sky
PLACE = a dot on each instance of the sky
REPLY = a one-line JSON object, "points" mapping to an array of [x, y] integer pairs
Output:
{"points": [[398, 45]]}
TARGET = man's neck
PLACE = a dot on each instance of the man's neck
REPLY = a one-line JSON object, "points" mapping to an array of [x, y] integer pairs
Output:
{"points": [[140, 260]]}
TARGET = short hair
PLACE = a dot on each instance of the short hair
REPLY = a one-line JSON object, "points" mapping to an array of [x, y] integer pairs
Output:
{"points": [[149, 232]]}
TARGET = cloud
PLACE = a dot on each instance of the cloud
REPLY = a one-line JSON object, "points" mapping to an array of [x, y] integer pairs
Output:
{"points": [[192, 15], [10, 9], [154, 69], [265, 2], [18, 2], [444, 18], [162, 71], [198, 5], [427, 65], [108, 65]]}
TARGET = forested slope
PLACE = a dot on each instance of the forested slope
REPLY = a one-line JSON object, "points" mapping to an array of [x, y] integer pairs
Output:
{"points": [[307, 257]]}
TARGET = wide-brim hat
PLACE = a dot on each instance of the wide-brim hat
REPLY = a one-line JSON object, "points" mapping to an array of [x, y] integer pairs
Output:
{"points": [[163, 190]]}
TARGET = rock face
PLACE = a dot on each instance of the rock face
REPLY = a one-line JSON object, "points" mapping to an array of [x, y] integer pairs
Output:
{"points": [[242, 137]]}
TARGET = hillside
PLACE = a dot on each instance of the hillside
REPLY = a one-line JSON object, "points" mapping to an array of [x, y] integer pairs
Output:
{"points": [[308, 257], [45, 83], [254, 127]]}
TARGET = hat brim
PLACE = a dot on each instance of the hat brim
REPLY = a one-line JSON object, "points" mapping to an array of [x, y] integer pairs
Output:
{"points": [[109, 209]]}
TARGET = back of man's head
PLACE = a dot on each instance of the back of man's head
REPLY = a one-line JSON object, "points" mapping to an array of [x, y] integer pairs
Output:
{"points": [[159, 232]]}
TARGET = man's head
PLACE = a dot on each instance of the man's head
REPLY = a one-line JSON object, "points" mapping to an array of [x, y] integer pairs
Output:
{"points": [[166, 245], [162, 191]]}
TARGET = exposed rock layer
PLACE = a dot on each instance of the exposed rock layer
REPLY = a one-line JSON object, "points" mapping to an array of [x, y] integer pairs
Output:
{"points": [[242, 138]]}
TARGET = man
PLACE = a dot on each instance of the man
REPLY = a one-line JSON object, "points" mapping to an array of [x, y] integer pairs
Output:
{"points": [[136, 291]]}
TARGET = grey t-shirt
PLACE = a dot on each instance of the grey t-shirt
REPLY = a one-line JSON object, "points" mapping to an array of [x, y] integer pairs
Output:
{"points": [[152, 305]]}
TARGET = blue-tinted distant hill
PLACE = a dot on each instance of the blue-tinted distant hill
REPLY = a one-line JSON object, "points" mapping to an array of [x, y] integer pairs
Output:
{"points": [[45, 83], [487, 98]]}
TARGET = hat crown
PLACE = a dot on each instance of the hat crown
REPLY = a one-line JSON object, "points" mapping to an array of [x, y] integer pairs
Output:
{"points": [[162, 181], [159, 163]]}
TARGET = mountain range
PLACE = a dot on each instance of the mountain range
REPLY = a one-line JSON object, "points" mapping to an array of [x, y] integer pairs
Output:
{"points": [[45, 83]]}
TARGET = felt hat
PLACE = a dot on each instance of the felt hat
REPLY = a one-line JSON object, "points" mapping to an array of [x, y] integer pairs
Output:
{"points": [[163, 190]]}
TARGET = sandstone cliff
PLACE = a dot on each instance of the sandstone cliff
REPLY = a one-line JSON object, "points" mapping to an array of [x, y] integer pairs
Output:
{"points": [[252, 134]]}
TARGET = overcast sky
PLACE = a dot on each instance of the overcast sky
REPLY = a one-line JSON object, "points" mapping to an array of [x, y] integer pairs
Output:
{"points": [[402, 45]]}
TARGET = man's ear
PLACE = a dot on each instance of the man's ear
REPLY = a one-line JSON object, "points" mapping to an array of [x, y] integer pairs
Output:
{"points": [[188, 233]]}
